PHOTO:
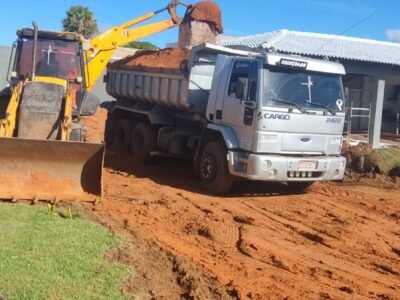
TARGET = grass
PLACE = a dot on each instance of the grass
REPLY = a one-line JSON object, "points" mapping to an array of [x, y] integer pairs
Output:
{"points": [[44, 256], [386, 160]]}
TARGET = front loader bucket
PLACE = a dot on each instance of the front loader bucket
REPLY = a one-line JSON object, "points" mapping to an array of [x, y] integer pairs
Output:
{"points": [[50, 170]]}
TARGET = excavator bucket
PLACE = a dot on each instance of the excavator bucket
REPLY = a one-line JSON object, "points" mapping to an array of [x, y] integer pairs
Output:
{"points": [[50, 170]]}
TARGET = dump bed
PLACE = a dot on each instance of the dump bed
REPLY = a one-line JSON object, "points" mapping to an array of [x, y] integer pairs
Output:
{"points": [[165, 89], [183, 89]]}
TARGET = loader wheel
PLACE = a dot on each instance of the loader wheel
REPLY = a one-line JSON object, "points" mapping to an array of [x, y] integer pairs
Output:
{"points": [[214, 173], [299, 186], [122, 135], [143, 141]]}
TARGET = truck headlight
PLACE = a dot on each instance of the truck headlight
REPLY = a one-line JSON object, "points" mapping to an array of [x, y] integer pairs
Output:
{"points": [[336, 141], [268, 138]]}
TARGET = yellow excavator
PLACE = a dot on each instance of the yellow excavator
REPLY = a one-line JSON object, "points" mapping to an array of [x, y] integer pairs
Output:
{"points": [[43, 155]]}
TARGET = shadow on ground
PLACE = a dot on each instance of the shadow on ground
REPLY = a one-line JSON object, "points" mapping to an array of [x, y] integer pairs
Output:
{"points": [[179, 174]]}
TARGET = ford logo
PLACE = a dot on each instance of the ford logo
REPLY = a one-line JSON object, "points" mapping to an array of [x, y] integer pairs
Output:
{"points": [[305, 139]]}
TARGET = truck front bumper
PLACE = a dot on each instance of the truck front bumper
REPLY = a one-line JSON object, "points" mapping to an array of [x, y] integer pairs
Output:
{"points": [[286, 168]]}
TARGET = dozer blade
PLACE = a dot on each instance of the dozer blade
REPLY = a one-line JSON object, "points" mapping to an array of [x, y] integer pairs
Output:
{"points": [[50, 170]]}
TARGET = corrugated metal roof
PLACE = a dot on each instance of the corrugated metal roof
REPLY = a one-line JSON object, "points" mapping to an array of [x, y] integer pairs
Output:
{"points": [[318, 44]]}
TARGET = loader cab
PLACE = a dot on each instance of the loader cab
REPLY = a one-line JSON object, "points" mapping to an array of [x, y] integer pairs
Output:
{"points": [[58, 55]]}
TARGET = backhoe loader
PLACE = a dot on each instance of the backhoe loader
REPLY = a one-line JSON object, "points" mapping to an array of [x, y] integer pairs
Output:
{"points": [[43, 155]]}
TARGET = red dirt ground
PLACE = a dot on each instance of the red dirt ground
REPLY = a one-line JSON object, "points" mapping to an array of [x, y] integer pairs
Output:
{"points": [[95, 126], [260, 242]]}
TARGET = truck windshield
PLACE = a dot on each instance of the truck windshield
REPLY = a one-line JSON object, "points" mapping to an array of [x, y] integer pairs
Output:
{"points": [[303, 89], [53, 58]]}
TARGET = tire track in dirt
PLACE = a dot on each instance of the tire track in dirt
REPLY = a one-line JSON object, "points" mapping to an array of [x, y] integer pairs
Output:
{"points": [[157, 273], [333, 262], [332, 243]]}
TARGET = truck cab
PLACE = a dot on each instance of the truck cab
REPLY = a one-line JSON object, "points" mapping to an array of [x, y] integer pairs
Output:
{"points": [[281, 116]]}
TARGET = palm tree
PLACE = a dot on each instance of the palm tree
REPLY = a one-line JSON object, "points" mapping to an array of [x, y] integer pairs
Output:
{"points": [[141, 45], [80, 20]]}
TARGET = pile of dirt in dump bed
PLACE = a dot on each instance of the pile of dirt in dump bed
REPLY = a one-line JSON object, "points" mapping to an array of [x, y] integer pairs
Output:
{"points": [[169, 58]]}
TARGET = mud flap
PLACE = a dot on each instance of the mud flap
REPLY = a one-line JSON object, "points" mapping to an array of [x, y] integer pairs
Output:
{"points": [[50, 170]]}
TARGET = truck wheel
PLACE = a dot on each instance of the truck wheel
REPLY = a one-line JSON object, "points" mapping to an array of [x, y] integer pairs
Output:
{"points": [[300, 186], [109, 130], [213, 169], [143, 141], [122, 135]]}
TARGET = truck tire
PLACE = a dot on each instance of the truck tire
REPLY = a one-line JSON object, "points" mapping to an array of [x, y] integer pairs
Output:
{"points": [[122, 135], [143, 141], [214, 173], [299, 186]]}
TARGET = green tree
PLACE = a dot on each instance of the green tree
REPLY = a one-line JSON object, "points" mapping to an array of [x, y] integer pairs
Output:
{"points": [[81, 20], [141, 45]]}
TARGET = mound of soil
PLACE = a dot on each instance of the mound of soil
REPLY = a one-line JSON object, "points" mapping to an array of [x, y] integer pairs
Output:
{"points": [[363, 159], [169, 58], [356, 155], [384, 161]]}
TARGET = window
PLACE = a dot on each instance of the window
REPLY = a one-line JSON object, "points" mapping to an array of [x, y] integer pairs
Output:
{"points": [[253, 82], [53, 58], [309, 90], [243, 85], [238, 84]]}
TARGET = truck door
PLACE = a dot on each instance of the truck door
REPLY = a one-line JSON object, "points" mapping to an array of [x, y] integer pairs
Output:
{"points": [[240, 101]]}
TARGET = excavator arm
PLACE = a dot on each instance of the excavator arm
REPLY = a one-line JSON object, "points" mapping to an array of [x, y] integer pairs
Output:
{"points": [[103, 46]]}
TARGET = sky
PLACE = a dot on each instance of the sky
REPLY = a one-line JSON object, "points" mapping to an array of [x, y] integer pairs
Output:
{"points": [[367, 19]]}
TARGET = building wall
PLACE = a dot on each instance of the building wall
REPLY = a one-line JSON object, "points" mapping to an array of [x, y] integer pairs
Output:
{"points": [[360, 96], [391, 108]]}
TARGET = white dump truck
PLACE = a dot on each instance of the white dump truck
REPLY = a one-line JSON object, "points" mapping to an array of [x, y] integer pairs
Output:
{"points": [[252, 115]]}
